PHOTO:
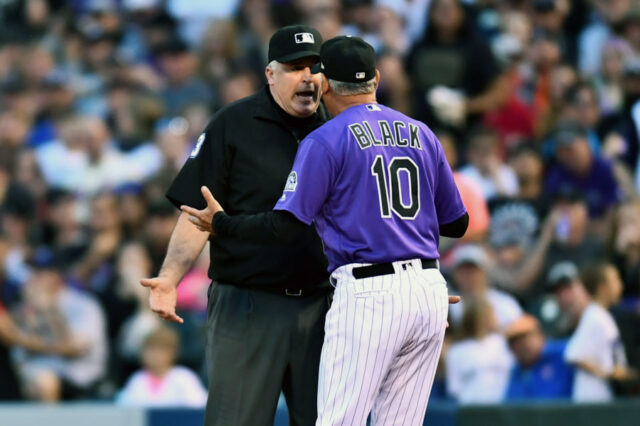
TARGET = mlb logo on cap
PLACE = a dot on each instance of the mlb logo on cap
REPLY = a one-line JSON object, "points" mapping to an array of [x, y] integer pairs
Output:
{"points": [[360, 75], [304, 38], [293, 42]]}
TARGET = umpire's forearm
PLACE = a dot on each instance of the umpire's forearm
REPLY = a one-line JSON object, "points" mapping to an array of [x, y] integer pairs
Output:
{"points": [[185, 246]]}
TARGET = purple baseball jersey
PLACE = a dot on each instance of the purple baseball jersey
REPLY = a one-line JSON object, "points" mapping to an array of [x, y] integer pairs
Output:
{"points": [[377, 185]]}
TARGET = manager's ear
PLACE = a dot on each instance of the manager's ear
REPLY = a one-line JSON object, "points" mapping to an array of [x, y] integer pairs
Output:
{"points": [[377, 78], [325, 84]]}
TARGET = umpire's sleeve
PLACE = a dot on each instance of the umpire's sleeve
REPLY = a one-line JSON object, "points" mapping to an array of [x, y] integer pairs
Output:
{"points": [[208, 164]]}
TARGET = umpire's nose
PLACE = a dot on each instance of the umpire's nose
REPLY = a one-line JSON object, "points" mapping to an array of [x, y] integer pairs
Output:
{"points": [[306, 75]]}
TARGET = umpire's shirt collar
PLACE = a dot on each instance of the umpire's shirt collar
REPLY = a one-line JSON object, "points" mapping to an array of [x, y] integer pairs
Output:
{"points": [[266, 108]]}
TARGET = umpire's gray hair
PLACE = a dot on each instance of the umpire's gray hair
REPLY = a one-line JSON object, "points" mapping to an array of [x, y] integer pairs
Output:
{"points": [[274, 65], [346, 89]]}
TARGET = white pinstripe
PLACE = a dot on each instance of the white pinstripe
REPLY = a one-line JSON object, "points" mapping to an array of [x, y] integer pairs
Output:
{"points": [[383, 337]]}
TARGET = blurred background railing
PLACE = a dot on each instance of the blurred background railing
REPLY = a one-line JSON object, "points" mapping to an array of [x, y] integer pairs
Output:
{"points": [[620, 413]]}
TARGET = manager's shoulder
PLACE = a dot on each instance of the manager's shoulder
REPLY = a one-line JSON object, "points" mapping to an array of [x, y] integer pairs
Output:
{"points": [[425, 129], [335, 126], [327, 131]]}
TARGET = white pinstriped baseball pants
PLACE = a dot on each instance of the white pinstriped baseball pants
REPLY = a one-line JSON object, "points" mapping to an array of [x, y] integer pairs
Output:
{"points": [[383, 337]]}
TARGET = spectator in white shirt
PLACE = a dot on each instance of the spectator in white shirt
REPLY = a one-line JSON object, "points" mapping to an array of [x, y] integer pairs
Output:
{"points": [[595, 347], [161, 382], [86, 161], [479, 364], [470, 276]]}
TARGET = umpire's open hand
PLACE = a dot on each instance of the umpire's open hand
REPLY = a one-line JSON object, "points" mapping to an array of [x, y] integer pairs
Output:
{"points": [[202, 218], [162, 298]]}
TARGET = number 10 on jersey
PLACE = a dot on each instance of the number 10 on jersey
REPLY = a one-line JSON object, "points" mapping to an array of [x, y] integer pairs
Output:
{"points": [[390, 189]]}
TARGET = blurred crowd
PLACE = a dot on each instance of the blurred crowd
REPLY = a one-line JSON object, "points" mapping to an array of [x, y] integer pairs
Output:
{"points": [[536, 103]]}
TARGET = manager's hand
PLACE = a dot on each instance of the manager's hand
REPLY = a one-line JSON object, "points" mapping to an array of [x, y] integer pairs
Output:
{"points": [[452, 301], [202, 218], [162, 298]]}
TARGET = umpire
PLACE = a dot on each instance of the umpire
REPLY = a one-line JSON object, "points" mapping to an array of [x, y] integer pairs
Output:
{"points": [[267, 302]]}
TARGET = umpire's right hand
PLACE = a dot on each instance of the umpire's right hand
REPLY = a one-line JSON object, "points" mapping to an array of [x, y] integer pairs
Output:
{"points": [[162, 298]]}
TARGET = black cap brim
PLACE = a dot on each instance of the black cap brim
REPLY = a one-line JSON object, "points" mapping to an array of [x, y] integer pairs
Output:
{"points": [[298, 55], [316, 68]]}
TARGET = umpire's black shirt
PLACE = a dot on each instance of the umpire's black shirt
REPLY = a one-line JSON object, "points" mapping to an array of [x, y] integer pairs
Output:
{"points": [[244, 157]]}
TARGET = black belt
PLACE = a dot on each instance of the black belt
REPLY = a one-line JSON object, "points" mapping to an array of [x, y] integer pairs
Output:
{"points": [[387, 268], [293, 292]]}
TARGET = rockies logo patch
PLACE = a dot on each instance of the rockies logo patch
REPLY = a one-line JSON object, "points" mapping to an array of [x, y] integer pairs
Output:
{"points": [[196, 149], [292, 182]]}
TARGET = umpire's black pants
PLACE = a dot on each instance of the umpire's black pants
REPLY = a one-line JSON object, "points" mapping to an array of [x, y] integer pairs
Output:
{"points": [[259, 343]]}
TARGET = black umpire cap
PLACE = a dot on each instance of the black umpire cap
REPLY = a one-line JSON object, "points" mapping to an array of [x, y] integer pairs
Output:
{"points": [[294, 42], [348, 59]]}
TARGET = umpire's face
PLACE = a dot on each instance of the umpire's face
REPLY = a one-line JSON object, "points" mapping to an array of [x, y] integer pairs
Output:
{"points": [[293, 87]]}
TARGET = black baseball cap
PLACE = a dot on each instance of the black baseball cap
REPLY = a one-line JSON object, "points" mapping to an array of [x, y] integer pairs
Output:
{"points": [[294, 42], [544, 6], [567, 132], [562, 273], [173, 46], [348, 59]]}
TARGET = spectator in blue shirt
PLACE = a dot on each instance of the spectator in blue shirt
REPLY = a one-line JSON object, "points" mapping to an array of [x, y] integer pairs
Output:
{"points": [[581, 170], [540, 371]]}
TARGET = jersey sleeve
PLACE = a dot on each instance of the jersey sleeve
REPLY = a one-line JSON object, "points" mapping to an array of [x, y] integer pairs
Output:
{"points": [[310, 181], [448, 202], [207, 165]]}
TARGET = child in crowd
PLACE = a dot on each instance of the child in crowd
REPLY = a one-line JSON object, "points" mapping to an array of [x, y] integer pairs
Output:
{"points": [[160, 382]]}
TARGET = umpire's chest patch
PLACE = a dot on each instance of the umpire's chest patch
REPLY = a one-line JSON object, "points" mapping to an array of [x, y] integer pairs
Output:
{"points": [[292, 182], [196, 149]]}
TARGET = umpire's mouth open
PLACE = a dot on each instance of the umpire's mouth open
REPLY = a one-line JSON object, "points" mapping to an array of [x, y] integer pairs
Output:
{"points": [[307, 96]]}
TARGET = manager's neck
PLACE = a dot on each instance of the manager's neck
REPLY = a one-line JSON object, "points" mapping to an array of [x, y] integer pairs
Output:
{"points": [[338, 104]]}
